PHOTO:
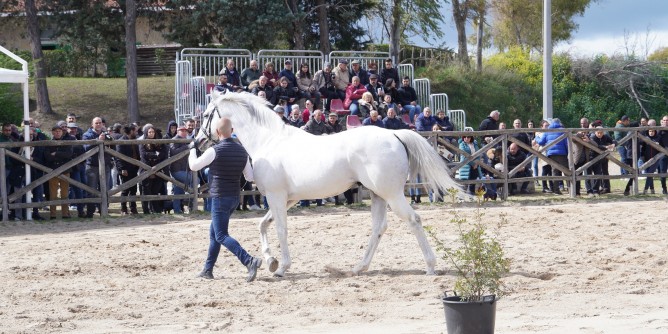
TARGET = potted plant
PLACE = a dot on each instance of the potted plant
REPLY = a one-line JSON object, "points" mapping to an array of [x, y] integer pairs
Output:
{"points": [[479, 264]]}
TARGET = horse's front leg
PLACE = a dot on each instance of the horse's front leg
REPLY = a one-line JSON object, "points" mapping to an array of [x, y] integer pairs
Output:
{"points": [[271, 262]]}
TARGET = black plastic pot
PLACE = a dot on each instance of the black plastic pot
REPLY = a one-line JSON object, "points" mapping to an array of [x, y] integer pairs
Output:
{"points": [[463, 317]]}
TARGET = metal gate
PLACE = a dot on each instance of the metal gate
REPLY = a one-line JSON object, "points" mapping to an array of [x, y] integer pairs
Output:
{"points": [[184, 106], [423, 91], [405, 70], [364, 57], [439, 102], [458, 119]]}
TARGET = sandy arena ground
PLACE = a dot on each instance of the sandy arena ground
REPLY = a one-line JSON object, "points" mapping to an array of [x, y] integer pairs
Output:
{"points": [[578, 267]]}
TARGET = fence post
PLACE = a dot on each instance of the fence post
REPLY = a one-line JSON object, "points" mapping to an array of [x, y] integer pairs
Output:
{"points": [[571, 166], [634, 164], [104, 201], [3, 186], [504, 157]]}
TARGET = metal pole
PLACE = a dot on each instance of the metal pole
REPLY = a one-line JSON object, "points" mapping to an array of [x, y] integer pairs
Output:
{"points": [[547, 59]]}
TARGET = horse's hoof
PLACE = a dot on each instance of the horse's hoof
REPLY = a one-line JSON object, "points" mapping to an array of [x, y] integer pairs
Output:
{"points": [[272, 264]]}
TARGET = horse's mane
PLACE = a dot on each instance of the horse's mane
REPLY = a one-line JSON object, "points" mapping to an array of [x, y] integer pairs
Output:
{"points": [[251, 109]]}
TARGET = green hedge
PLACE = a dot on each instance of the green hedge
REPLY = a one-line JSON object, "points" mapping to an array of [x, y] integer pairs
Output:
{"points": [[11, 104]]}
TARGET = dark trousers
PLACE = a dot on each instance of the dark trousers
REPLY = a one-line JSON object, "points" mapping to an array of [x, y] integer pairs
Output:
{"points": [[221, 210], [330, 94], [152, 186], [132, 191]]}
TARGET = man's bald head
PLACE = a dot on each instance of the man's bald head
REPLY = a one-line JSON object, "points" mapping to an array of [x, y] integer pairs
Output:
{"points": [[224, 128]]}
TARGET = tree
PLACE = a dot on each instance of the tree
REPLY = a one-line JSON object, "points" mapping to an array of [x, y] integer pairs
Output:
{"points": [[40, 67], [460, 13], [661, 55], [519, 22], [323, 24], [131, 59], [401, 17]]}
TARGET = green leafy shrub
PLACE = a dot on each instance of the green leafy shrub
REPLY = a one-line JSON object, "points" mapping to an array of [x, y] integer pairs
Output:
{"points": [[11, 103]]}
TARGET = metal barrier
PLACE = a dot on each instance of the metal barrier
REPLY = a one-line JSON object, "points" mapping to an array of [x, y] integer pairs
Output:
{"points": [[439, 102], [184, 106], [405, 70], [365, 57], [458, 118], [314, 59], [207, 63], [423, 90]]}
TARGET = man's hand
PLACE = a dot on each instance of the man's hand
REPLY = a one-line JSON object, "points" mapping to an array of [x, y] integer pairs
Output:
{"points": [[124, 172]]}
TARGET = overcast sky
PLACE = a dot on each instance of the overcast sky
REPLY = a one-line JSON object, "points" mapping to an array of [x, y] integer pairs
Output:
{"points": [[602, 28]]}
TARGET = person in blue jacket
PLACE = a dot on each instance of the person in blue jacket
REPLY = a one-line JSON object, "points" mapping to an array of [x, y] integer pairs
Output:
{"points": [[557, 152]]}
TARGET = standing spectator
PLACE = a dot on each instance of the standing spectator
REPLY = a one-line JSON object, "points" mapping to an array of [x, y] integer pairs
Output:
{"points": [[367, 104], [171, 129], [515, 157], [375, 88], [389, 72], [557, 152], [152, 154], [604, 143], [324, 82], [95, 132], [341, 76], [78, 171], [372, 69], [523, 137], [374, 119], [490, 123], [624, 149], [14, 169], [354, 92], [271, 75], [663, 162], [392, 122], [356, 70], [425, 121], [56, 156], [408, 99], [179, 168], [38, 157], [470, 171], [250, 74], [648, 152], [306, 84], [581, 156], [532, 136], [127, 170], [72, 118], [228, 160], [287, 73]]}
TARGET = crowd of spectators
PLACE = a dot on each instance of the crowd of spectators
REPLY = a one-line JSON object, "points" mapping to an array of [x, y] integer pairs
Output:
{"points": [[369, 93]]}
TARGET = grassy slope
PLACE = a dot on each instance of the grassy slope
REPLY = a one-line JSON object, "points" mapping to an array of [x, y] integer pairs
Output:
{"points": [[106, 97]]}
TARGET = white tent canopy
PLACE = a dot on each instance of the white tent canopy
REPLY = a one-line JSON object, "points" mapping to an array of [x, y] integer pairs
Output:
{"points": [[21, 77]]}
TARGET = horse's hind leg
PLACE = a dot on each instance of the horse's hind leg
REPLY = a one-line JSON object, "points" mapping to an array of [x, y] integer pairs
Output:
{"points": [[378, 227], [402, 209]]}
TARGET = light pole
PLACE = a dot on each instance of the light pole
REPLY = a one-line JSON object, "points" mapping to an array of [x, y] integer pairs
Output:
{"points": [[547, 59]]}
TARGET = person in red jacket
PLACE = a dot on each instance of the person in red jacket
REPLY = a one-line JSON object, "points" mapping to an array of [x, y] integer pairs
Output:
{"points": [[354, 92]]}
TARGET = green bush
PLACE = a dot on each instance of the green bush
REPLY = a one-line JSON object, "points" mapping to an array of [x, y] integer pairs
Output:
{"points": [[11, 104]]}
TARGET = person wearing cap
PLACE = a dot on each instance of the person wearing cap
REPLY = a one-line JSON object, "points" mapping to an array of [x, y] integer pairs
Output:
{"points": [[306, 84], [333, 126], [288, 73], [389, 72], [324, 82], [55, 156], [126, 170], [356, 70], [250, 74], [72, 118], [375, 88], [341, 76], [280, 112]]}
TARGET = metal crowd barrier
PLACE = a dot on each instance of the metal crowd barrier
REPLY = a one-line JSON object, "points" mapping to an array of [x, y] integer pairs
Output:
{"points": [[423, 90], [314, 59]]}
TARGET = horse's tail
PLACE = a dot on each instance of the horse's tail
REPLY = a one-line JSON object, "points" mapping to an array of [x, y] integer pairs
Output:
{"points": [[423, 160]]}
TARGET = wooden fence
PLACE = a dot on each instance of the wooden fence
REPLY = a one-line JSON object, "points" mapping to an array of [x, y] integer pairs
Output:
{"points": [[439, 140]]}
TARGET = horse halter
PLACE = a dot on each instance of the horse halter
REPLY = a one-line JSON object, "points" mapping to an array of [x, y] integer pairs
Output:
{"points": [[207, 130]]}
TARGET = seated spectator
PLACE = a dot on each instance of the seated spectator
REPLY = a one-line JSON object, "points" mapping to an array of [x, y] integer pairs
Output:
{"points": [[374, 119], [223, 85], [392, 122], [287, 73], [386, 105], [271, 74], [375, 88], [425, 121], [316, 125], [372, 69], [408, 98], [295, 118], [233, 77], [280, 112], [515, 158], [341, 76], [391, 91], [56, 156], [285, 94], [263, 86], [367, 105], [356, 70], [354, 92], [443, 121], [333, 125], [324, 82], [308, 110], [250, 74], [306, 84]]}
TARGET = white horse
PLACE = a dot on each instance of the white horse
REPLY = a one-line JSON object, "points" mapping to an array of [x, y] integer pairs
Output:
{"points": [[290, 164]]}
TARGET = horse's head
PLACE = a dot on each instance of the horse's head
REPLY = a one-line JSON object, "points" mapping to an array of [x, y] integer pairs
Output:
{"points": [[207, 134]]}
